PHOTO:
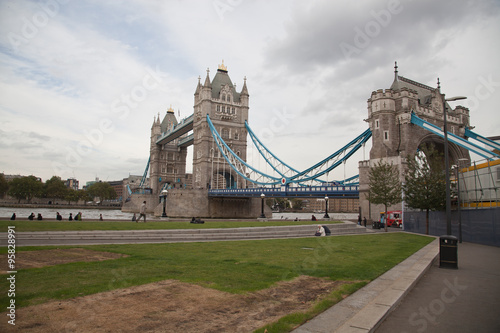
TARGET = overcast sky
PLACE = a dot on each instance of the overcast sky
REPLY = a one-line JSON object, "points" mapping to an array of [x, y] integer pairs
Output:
{"points": [[81, 81]]}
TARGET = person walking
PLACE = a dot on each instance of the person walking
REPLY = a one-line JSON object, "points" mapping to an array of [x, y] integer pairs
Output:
{"points": [[364, 221], [142, 212]]}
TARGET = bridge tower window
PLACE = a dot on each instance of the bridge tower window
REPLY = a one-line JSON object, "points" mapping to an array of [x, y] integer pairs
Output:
{"points": [[225, 133]]}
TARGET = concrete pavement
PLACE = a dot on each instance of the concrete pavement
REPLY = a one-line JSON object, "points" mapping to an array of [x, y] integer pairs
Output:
{"points": [[449, 300], [418, 296]]}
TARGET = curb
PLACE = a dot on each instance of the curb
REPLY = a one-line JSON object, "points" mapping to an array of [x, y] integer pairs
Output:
{"points": [[367, 308]]}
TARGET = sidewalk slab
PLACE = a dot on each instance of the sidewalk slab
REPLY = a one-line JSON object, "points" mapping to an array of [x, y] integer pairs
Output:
{"points": [[364, 310]]}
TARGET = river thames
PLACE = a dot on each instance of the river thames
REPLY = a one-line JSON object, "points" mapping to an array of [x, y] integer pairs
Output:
{"points": [[116, 214]]}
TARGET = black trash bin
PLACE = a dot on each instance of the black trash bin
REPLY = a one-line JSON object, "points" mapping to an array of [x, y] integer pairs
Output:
{"points": [[448, 252]]}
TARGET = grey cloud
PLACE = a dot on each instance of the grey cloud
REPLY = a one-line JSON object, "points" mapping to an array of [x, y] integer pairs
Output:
{"points": [[38, 136], [314, 38]]}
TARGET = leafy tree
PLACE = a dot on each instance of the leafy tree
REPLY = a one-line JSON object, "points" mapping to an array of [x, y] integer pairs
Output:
{"points": [[4, 185], [25, 188], [101, 190], [72, 195], [55, 188], [85, 196], [425, 182], [297, 204], [385, 186], [279, 203]]}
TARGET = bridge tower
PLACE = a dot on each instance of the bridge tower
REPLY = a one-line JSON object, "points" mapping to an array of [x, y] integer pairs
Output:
{"points": [[167, 161], [393, 135], [228, 111]]}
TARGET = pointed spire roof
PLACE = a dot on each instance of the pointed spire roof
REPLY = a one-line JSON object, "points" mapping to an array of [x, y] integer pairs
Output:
{"points": [[395, 83], [244, 90], [425, 93], [207, 80], [198, 86], [168, 120]]}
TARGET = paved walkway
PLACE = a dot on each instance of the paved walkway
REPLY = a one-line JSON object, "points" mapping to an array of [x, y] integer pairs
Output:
{"points": [[418, 296], [448, 300]]}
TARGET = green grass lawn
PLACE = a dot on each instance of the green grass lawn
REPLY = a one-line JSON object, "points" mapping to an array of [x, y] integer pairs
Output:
{"points": [[235, 267], [129, 225]]}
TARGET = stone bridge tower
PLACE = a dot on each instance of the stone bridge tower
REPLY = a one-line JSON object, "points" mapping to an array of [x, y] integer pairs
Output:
{"points": [[167, 161], [228, 111], [394, 137]]}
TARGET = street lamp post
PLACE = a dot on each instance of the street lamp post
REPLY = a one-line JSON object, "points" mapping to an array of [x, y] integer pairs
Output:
{"points": [[164, 195], [447, 162], [262, 215], [326, 208]]}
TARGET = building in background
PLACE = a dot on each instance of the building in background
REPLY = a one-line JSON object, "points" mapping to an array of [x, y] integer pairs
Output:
{"points": [[72, 183]]}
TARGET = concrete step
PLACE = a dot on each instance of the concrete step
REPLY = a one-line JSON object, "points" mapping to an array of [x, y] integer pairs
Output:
{"points": [[178, 235]]}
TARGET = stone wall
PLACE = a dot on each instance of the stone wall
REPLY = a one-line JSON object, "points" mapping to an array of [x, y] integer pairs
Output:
{"points": [[187, 203], [136, 201]]}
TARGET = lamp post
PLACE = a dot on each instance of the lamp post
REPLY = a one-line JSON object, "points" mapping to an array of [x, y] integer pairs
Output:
{"points": [[447, 162], [262, 215], [164, 195], [326, 208]]}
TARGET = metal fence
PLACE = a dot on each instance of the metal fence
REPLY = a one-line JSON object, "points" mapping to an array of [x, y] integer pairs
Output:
{"points": [[477, 225]]}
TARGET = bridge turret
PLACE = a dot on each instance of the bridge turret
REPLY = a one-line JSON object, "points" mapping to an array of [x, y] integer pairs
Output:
{"points": [[228, 111], [394, 137]]}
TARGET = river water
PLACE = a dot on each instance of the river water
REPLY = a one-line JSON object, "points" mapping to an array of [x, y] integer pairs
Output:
{"points": [[308, 216], [87, 214], [116, 214]]}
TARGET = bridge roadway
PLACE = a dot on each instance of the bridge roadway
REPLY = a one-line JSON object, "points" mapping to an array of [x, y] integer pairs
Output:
{"points": [[59, 238], [347, 191]]}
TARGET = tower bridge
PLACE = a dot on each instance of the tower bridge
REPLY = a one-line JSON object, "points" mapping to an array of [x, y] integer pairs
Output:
{"points": [[224, 183]]}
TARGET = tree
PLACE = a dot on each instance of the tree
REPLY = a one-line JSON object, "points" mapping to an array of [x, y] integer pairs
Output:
{"points": [[385, 186], [84, 195], [72, 195], [55, 188], [25, 188], [297, 204], [101, 190], [280, 204], [425, 182], [4, 185]]}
